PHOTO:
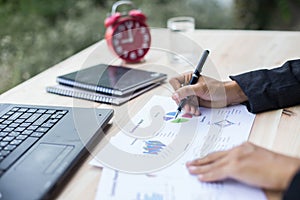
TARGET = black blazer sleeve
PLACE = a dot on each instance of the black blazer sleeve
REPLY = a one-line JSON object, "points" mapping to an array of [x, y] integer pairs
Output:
{"points": [[271, 89], [293, 191]]}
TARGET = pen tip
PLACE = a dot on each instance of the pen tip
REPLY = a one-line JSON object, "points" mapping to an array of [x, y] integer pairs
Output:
{"points": [[176, 114]]}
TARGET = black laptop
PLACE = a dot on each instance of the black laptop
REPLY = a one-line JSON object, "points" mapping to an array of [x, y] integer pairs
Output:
{"points": [[41, 145]]}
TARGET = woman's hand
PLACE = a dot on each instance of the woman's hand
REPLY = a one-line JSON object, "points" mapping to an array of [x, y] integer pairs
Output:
{"points": [[207, 92], [247, 163]]}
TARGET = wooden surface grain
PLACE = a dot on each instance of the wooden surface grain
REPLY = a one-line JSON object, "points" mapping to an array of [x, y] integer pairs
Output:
{"points": [[232, 52]]}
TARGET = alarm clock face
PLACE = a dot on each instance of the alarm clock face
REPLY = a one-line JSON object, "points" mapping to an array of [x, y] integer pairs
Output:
{"points": [[131, 39]]}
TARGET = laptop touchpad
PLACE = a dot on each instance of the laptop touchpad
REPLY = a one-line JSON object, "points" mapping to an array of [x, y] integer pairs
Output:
{"points": [[46, 158]]}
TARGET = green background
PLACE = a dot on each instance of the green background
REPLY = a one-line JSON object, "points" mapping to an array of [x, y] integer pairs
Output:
{"points": [[36, 34]]}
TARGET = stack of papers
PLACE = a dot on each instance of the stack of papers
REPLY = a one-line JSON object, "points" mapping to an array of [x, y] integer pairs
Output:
{"points": [[154, 164]]}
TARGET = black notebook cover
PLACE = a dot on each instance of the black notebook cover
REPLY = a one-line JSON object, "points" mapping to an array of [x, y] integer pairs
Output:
{"points": [[110, 79]]}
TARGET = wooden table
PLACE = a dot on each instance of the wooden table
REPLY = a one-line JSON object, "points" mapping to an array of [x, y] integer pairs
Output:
{"points": [[232, 52]]}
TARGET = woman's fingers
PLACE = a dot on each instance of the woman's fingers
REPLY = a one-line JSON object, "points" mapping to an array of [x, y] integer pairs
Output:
{"points": [[208, 159], [179, 81], [211, 167], [183, 92]]}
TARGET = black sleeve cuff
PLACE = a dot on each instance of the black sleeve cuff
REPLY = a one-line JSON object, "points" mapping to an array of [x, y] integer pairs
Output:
{"points": [[271, 89], [293, 191]]}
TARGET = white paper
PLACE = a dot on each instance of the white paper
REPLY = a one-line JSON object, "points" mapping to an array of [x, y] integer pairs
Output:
{"points": [[115, 185], [215, 130]]}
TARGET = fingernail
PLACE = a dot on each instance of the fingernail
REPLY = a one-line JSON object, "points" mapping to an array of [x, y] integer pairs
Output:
{"points": [[192, 168], [175, 96], [200, 176]]}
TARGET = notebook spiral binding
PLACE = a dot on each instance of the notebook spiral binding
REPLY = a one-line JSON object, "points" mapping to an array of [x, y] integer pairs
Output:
{"points": [[87, 95], [88, 87]]}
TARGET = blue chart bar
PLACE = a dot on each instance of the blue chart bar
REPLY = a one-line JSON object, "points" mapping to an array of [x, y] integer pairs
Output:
{"points": [[153, 147], [169, 116], [154, 196], [171, 113], [166, 118]]}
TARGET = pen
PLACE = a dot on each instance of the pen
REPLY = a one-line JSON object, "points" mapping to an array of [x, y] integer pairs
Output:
{"points": [[194, 79]]}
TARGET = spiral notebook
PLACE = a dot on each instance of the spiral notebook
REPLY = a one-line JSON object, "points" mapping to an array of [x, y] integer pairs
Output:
{"points": [[110, 79], [97, 97]]}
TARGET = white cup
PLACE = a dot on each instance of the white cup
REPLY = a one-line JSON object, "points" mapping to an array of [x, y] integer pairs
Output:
{"points": [[181, 47]]}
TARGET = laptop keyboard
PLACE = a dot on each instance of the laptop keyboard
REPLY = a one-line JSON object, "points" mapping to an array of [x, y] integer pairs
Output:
{"points": [[20, 128]]}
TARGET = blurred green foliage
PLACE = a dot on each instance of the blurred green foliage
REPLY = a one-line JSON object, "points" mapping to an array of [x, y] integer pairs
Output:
{"points": [[267, 14], [36, 34]]}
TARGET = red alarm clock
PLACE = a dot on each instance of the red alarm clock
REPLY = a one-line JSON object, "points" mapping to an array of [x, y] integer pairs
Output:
{"points": [[127, 35]]}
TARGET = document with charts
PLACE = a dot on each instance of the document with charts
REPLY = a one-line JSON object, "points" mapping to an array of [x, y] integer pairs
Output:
{"points": [[214, 130]]}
